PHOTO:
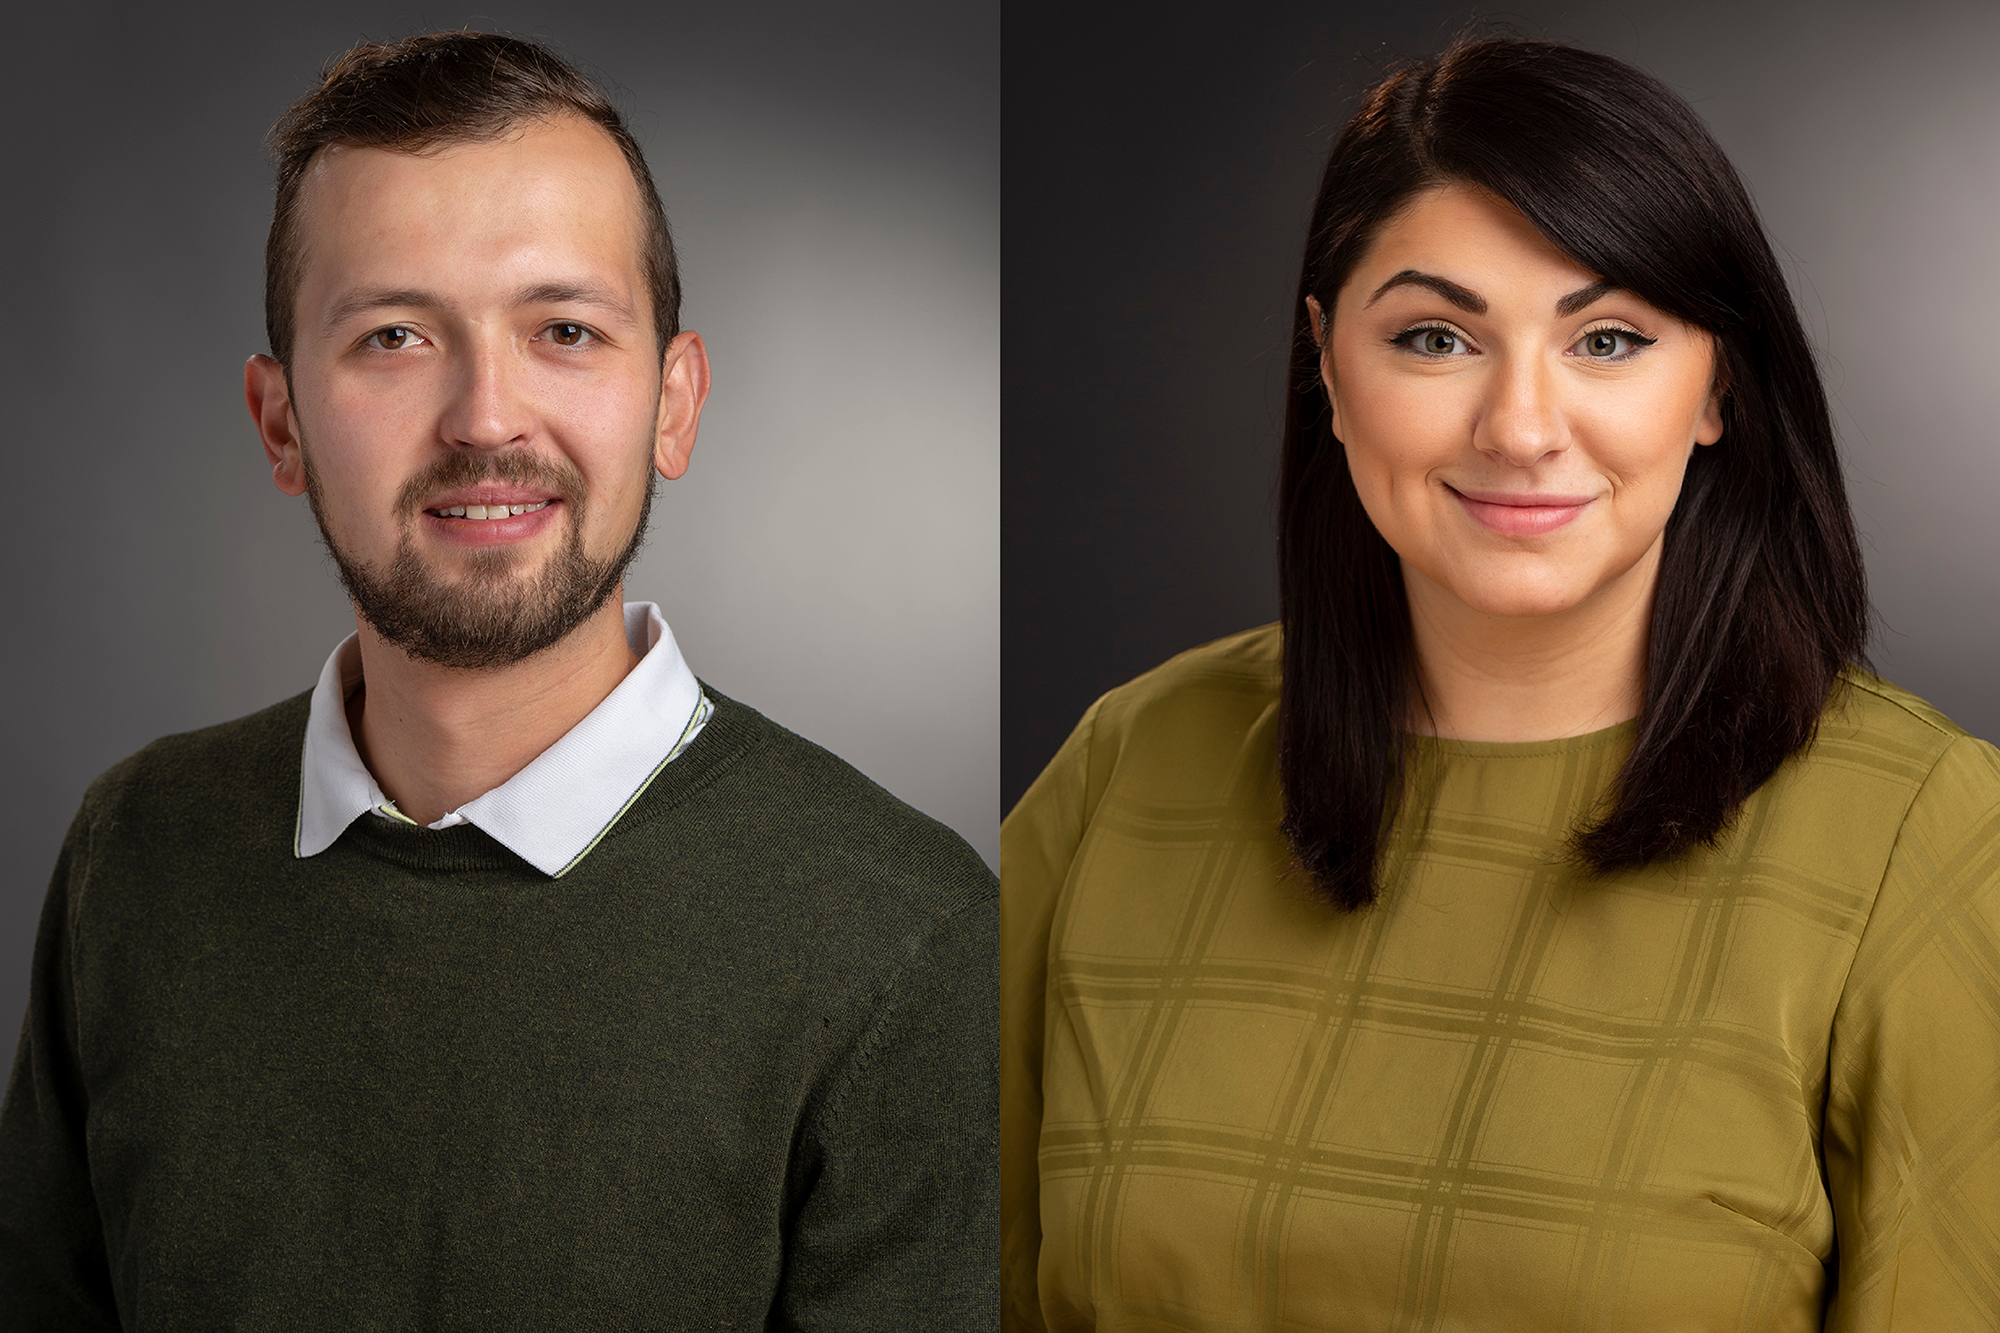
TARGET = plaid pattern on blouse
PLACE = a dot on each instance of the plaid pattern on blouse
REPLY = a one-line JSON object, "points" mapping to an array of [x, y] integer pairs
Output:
{"points": [[1757, 1088]]}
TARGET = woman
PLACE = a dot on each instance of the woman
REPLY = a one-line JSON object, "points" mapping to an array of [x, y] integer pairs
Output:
{"points": [[1553, 926]]}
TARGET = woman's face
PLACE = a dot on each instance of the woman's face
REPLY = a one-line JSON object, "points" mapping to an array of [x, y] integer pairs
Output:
{"points": [[1517, 432]]}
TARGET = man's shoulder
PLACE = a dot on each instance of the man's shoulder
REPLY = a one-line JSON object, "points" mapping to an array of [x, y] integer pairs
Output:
{"points": [[231, 762], [766, 799]]}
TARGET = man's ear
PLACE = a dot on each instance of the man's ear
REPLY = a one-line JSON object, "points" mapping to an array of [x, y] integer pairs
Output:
{"points": [[269, 398], [683, 389]]}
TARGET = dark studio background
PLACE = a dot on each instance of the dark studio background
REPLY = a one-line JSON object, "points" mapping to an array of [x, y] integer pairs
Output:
{"points": [[832, 556], [1159, 171]]}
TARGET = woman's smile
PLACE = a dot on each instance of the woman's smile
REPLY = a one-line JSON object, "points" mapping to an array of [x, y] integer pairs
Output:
{"points": [[1520, 515]]}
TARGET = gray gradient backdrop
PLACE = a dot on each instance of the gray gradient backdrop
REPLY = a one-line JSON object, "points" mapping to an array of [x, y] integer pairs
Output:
{"points": [[832, 556], [1159, 177]]}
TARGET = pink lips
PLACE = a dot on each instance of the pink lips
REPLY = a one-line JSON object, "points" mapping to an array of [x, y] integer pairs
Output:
{"points": [[1521, 515]]}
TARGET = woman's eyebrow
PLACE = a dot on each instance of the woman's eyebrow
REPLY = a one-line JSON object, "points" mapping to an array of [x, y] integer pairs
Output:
{"points": [[1468, 300], [1461, 297], [1583, 296]]}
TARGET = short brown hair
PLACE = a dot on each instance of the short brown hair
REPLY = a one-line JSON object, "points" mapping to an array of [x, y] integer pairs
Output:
{"points": [[433, 90]]}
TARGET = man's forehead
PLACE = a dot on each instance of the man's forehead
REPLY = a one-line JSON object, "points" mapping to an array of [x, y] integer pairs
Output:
{"points": [[558, 188], [561, 153]]}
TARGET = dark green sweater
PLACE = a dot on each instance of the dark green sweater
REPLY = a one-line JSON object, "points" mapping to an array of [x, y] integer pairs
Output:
{"points": [[736, 1070]]}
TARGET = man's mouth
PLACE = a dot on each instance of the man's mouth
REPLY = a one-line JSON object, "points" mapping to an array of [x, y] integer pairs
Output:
{"points": [[488, 511]]}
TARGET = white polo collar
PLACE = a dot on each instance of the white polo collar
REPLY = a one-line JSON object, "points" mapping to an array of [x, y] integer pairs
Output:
{"points": [[553, 811]]}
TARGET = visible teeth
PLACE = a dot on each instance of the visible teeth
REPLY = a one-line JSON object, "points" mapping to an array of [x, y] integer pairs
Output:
{"points": [[490, 511]]}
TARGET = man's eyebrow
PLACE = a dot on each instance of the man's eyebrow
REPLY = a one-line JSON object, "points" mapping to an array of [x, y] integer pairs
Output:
{"points": [[1583, 296], [571, 293], [379, 298], [1461, 297], [365, 299]]}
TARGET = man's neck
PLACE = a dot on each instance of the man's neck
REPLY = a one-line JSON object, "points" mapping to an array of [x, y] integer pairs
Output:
{"points": [[437, 737]]}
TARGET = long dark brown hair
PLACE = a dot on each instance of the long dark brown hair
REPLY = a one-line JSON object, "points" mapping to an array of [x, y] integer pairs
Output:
{"points": [[1761, 600]]}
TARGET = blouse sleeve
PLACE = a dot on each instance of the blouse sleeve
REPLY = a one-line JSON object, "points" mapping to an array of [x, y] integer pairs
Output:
{"points": [[1038, 840], [1912, 1127]]}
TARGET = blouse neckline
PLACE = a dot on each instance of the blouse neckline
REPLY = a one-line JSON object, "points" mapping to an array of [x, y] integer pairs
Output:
{"points": [[1617, 733]]}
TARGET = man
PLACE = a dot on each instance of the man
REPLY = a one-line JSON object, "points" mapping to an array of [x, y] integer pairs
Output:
{"points": [[512, 978]]}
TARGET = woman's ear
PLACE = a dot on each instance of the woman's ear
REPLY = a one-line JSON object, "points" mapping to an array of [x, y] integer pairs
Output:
{"points": [[1708, 429], [1322, 332]]}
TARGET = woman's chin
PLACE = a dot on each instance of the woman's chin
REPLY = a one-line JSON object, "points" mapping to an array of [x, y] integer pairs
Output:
{"points": [[1529, 589], [1508, 599], [1525, 605]]}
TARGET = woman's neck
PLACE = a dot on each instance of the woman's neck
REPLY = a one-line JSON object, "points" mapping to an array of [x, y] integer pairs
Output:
{"points": [[1531, 678]]}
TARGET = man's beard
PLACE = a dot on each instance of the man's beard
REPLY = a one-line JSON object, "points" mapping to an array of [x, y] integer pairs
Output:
{"points": [[491, 617]]}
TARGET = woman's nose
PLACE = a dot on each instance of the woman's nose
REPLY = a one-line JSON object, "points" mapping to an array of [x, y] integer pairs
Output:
{"points": [[1521, 420]]}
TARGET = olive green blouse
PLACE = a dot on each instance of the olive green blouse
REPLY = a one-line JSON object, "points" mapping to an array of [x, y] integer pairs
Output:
{"points": [[1755, 1088]]}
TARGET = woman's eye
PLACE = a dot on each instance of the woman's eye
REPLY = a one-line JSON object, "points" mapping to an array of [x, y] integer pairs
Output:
{"points": [[1611, 344], [1435, 341], [568, 335], [393, 339]]}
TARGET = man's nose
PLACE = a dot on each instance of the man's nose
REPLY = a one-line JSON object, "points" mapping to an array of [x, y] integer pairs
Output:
{"points": [[489, 404]]}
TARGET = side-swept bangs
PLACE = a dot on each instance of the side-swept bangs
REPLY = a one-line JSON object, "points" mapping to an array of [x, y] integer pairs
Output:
{"points": [[1761, 598]]}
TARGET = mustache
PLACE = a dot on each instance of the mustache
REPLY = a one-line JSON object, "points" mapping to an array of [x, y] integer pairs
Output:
{"points": [[467, 469]]}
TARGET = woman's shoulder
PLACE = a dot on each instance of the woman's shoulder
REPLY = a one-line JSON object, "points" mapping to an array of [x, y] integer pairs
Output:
{"points": [[1172, 733], [1886, 760], [1872, 724], [1874, 702], [1226, 680]]}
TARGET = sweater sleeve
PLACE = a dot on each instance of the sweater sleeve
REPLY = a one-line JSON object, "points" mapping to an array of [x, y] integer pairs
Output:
{"points": [[1038, 842], [53, 1270], [897, 1228], [1912, 1128]]}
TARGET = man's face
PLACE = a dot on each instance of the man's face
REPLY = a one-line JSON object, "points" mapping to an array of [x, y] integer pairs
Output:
{"points": [[475, 338]]}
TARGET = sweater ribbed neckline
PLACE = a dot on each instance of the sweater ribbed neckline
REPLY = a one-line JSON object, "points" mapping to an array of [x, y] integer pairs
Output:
{"points": [[465, 848]]}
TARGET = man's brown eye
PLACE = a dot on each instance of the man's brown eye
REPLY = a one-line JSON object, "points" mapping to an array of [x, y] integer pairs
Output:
{"points": [[392, 339], [569, 335]]}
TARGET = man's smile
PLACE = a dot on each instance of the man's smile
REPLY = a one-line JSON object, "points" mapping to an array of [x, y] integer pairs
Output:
{"points": [[486, 511], [482, 519]]}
